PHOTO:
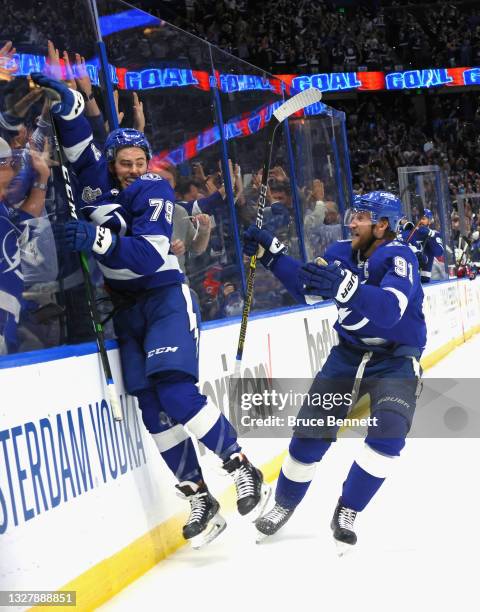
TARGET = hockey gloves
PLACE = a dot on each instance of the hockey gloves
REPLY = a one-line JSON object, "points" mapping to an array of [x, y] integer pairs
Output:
{"points": [[262, 243], [331, 281], [70, 102], [422, 233], [83, 236]]}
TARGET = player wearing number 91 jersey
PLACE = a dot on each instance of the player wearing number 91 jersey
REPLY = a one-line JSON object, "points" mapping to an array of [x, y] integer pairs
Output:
{"points": [[393, 316], [374, 281]]}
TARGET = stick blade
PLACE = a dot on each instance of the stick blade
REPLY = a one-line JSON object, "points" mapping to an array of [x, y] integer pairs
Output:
{"points": [[301, 100], [114, 402]]}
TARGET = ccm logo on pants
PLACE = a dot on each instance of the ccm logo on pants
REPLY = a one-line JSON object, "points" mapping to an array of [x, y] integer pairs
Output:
{"points": [[162, 349]]}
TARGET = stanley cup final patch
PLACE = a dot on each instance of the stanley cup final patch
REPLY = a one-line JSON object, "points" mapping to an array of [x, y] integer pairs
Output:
{"points": [[90, 195]]}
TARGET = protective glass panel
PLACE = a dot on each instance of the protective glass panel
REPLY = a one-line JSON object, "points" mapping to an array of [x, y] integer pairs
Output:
{"points": [[343, 158], [42, 298], [425, 187], [465, 235], [169, 72], [322, 186], [465, 215], [179, 90], [247, 97]]}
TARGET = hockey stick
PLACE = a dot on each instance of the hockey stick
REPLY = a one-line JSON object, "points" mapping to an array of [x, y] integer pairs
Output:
{"points": [[90, 294], [465, 251], [421, 211], [288, 108]]}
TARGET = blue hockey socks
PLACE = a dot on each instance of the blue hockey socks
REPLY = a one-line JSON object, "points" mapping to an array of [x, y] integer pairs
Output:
{"points": [[365, 477], [359, 488], [298, 470], [184, 403]]}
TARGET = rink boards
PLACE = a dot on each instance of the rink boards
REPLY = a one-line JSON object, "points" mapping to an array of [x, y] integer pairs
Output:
{"points": [[86, 504]]}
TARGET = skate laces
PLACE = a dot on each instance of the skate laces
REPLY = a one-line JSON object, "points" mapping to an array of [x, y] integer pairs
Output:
{"points": [[244, 482], [277, 513], [198, 504], [346, 518]]}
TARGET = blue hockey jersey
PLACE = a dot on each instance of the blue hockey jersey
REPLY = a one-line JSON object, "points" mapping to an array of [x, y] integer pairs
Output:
{"points": [[431, 246], [11, 278], [141, 215], [387, 309]]}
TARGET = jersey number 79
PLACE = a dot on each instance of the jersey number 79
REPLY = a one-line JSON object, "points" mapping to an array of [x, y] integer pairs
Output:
{"points": [[159, 203]]}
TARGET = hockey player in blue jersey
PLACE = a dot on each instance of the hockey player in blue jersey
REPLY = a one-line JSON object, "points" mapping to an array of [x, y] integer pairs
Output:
{"points": [[14, 235], [374, 281], [129, 228], [426, 242], [11, 278]]}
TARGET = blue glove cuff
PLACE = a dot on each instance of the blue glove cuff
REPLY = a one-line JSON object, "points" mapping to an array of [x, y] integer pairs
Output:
{"points": [[268, 259]]}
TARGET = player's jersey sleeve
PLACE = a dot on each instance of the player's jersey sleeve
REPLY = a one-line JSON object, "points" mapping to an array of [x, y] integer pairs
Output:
{"points": [[339, 251], [87, 160], [146, 248], [435, 245], [386, 304], [108, 213], [286, 269], [13, 236]]}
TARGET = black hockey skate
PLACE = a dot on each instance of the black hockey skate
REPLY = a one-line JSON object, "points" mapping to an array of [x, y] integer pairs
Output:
{"points": [[272, 521], [252, 492], [342, 527], [204, 523]]}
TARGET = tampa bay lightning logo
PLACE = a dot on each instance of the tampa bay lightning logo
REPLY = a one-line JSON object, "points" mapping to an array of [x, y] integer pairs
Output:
{"points": [[350, 320], [343, 314], [9, 255]]}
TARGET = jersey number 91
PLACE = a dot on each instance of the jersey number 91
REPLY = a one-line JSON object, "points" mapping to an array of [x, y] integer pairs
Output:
{"points": [[403, 269]]}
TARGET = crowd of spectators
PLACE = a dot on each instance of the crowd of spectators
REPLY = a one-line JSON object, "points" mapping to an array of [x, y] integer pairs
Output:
{"points": [[29, 23], [320, 36], [390, 131], [385, 131]]}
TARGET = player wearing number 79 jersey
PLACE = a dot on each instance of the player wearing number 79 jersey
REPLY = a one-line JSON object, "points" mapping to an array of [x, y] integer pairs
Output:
{"points": [[374, 281], [129, 228]]}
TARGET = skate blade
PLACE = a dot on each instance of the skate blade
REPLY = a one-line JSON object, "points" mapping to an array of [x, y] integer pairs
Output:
{"points": [[257, 512], [215, 527], [343, 548], [261, 537]]}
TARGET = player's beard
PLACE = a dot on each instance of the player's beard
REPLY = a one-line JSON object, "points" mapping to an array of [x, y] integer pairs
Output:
{"points": [[363, 242], [113, 176]]}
